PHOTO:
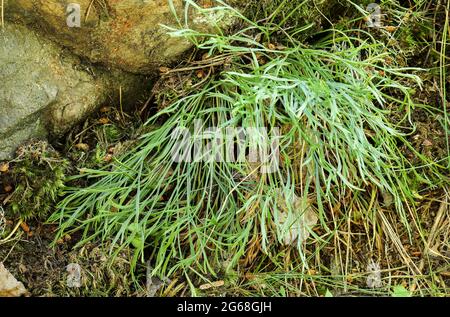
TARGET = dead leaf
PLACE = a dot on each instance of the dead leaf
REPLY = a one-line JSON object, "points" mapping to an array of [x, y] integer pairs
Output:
{"points": [[164, 70], [108, 158], [212, 285], [9, 286], [207, 4], [82, 147], [25, 227], [388, 199], [200, 74], [388, 61], [390, 28], [4, 167], [103, 120], [22, 268], [271, 46], [427, 143]]}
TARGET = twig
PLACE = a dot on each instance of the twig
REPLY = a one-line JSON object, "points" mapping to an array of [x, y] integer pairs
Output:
{"points": [[3, 15], [8, 238]]}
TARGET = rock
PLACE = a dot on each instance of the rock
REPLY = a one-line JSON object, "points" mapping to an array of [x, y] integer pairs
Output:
{"points": [[125, 34], [9, 286], [128, 33], [45, 90]]}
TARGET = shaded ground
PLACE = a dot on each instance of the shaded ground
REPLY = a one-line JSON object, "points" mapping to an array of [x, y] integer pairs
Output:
{"points": [[44, 269]]}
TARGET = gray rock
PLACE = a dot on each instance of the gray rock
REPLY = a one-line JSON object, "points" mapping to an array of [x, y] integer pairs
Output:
{"points": [[45, 90]]}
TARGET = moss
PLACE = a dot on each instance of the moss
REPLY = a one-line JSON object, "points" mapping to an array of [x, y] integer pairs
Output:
{"points": [[292, 14], [38, 175]]}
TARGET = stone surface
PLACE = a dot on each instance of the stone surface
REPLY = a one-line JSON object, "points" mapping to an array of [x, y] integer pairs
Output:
{"points": [[119, 33], [128, 34], [45, 90], [9, 286]]}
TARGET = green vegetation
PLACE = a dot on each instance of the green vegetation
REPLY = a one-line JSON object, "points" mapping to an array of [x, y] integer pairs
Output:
{"points": [[358, 206], [344, 106], [38, 175]]}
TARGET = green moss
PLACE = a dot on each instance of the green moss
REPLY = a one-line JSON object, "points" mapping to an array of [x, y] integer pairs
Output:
{"points": [[38, 175], [292, 14]]}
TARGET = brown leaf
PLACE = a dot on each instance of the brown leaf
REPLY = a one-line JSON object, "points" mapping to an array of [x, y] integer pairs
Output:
{"points": [[25, 227], [22, 268], [164, 70], [211, 285], [207, 4], [103, 120], [271, 46], [108, 158], [390, 28], [200, 74], [4, 167], [82, 146]]}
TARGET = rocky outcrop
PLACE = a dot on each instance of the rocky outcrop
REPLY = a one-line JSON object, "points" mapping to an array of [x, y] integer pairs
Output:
{"points": [[126, 34], [45, 90]]}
